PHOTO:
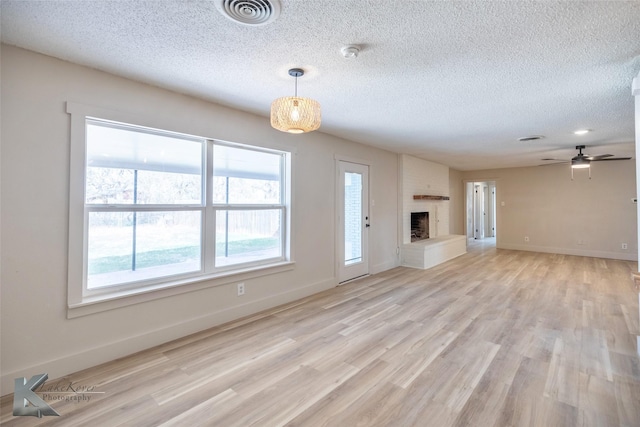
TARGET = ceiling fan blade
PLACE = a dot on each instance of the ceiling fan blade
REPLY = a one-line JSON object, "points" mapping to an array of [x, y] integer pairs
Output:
{"points": [[611, 158], [555, 162], [601, 156]]}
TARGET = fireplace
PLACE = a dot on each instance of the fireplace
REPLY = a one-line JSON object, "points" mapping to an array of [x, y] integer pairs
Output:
{"points": [[419, 226]]}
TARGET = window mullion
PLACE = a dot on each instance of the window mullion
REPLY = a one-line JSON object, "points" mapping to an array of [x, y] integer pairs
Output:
{"points": [[141, 208], [209, 226], [239, 207], [135, 221]]}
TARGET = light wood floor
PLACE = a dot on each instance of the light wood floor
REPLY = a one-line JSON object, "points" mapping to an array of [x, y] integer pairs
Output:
{"points": [[493, 338]]}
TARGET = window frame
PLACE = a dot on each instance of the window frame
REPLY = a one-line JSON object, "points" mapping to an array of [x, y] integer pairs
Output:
{"points": [[282, 207], [82, 300]]}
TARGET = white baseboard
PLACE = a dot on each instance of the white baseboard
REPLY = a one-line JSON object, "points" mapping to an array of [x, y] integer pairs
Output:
{"points": [[57, 368], [379, 268], [571, 251]]}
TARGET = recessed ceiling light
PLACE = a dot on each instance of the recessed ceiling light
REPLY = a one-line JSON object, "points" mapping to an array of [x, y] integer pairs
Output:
{"points": [[530, 138], [582, 131]]}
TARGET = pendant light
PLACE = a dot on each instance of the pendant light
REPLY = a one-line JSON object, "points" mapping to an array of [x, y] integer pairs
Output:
{"points": [[293, 114]]}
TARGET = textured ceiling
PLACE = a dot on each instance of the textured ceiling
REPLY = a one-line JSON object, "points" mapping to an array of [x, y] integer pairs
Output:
{"points": [[452, 82]]}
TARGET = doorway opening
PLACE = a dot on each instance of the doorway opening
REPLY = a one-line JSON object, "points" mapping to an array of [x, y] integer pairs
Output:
{"points": [[481, 210]]}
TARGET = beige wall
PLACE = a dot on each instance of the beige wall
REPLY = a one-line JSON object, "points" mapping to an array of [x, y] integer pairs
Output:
{"points": [[457, 202], [36, 335], [581, 217]]}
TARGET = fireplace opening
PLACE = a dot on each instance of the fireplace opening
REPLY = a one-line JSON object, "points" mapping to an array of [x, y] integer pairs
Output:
{"points": [[419, 226]]}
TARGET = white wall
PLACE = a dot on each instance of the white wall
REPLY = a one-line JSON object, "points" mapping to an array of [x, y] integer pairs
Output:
{"points": [[422, 177], [37, 337], [557, 214]]}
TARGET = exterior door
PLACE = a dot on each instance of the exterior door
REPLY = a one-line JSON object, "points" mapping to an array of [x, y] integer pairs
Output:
{"points": [[353, 221]]}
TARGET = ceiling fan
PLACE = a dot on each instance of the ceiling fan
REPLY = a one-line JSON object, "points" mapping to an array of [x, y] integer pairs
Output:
{"points": [[584, 160]]}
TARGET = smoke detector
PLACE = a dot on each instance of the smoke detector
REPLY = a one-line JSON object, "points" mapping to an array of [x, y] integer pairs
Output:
{"points": [[249, 12], [350, 51]]}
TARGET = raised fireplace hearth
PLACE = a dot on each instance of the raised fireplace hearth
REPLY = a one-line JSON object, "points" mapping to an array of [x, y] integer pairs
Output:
{"points": [[428, 253]]}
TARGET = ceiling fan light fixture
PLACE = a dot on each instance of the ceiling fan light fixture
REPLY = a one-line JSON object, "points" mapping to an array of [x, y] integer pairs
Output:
{"points": [[293, 114], [580, 161], [580, 164]]}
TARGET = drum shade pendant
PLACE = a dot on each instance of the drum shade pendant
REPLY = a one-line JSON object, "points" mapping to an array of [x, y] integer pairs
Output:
{"points": [[293, 114]]}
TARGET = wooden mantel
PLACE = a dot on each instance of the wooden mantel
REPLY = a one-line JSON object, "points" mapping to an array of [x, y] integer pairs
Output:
{"points": [[427, 197]]}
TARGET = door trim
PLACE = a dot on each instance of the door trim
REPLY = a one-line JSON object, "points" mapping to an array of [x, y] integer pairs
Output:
{"points": [[338, 204]]}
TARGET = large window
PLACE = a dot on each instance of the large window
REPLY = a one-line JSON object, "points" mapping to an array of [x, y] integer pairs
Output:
{"points": [[162, 208], [249, 210], [143, 202]]}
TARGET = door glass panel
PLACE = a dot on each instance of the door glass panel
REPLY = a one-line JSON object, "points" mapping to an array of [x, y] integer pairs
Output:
{"points": [[352, 218]]}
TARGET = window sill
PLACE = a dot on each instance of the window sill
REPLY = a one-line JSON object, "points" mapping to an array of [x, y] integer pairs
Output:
{"points": [[99, 303]]}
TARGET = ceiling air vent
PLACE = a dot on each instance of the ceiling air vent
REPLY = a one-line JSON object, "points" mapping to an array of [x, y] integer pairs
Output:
{"points": [[530, 138], [249, 12]]}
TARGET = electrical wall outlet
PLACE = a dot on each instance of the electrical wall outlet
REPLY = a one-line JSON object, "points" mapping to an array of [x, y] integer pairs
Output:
{"points": [[624, 246], [526, 238], [240, 289]]}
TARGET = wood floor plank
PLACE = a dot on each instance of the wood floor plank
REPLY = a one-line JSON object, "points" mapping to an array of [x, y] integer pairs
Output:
{"points": [[596, 396], [205, 410], [488, 398], [458, 390], [627, 401], [336, 405], [203, 376], [415, 363], [492, 338], [562, 378]]}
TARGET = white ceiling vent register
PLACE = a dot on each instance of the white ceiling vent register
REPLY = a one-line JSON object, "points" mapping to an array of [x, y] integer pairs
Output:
{"points": [[249, 12]]}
